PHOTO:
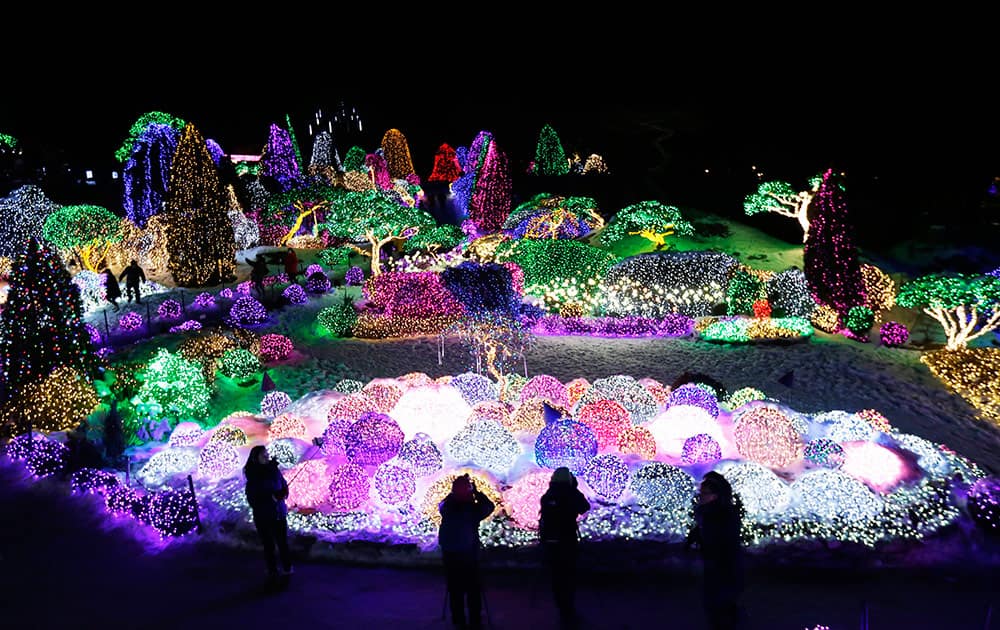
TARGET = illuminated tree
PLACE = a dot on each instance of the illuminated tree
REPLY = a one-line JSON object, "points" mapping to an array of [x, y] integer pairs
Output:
{"points": [[830, 256], [177, 385], [495, 341], [397, 154], [966, 306], [595, 165], [22, 215], [550, 159], [58, 402], [200, 236], [278, 158], [780, 198], [743, 291], [355, 159], [547, 216], [490, 203], [322, 155], [378, 170], [441, 238], [86, 231], [139, 127], [464, 187], [295, 144], [41, 327], [446, 166], [7, 143], [147, 172], [651, 220]]}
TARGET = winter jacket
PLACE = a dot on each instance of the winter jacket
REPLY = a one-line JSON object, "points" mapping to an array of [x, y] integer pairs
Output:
{"points": [[266, 491], [459, 531], [133, 275], [560, 507], [111, 287]]}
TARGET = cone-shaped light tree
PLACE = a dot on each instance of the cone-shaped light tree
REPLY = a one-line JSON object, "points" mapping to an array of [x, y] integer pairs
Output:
{"points": [[550, 158], [278, 159], [465, 186], [491, 199], [397, 154], [295, 144], [199, 233], [446, 166], [22, 215], [147, 172]]}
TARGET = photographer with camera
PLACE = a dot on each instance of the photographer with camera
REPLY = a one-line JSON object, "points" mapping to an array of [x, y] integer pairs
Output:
{"points": [[461, 511], [266, 492]]}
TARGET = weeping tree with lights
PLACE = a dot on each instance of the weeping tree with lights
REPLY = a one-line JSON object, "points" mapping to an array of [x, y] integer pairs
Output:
{"points": [[652, 220], [966, 306], [490, 203], [41, 327], [780, 198], [22, 215], [86, 232], [446, 166], [550, 158], [830, 255], [495, 341], [147, 172], [139, 128], [278, 159], [397, 154], [200, 237]]}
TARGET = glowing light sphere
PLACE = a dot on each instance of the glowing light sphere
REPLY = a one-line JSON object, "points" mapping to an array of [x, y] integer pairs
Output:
{"points": [[475, 388], [607, 475], [522, 501], [119, 499], [877, 421], [349, 487], [167, 463], [186, 434], [421, 455], [354, 276], [765, 495], [92, 481], [438, 411], [351, 407], [317, 283], [415, 379], [274, 402], [130, 321], [275, 347], [984, 503], [227, 293], [287, 426], [286, 451], [528, 417], [893, 334], [204, 301], [929, 456], [677, 423], [659, 391], [624, 390], [692, 394], [394, 484], [767, 436], [881, 468], [850, 428], [637, 441], [348, 386], [575, 390], [46, 457], [546, 387], [607, 419], [829, 495], [700, 449], [170, 309], [173, 512], [333, 437], [247, 311], [313, 268], [663, 487], [565, 443], [245, 288], [383, 395], [745, 395], [490, 410], [218, 460], [373, 439], [441, 487], [825, 453], [20, 446], [141, 508], [228, 434], [295, 294], [485, 443], [309, 484]]}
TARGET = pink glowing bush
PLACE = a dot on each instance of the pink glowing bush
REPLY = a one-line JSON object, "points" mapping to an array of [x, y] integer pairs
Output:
{"points": [[244, 288], [317, 283], [204, 301], [893, 334], [287, 426], [226, 293], [170, 309], [522, 501], [275, 347], [309, 484], [394, 484], [46, 457], [984, 503], [546, 387], [373, 439], [607, 475], [349, 487], [607, 419], [411, 294], [879, 467], [313, 268], [130, 321]]}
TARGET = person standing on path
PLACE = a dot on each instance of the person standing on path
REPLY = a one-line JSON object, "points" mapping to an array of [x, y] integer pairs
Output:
{"points": [[266, 491], [561, 505], [461, 511], [112, 291], [133, 276]]}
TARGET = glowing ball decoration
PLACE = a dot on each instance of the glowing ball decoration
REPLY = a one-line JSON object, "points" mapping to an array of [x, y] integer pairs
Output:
{"points": [[824, 452], [119, 500], [745, 395], [92, 481], [373, 439], [893, 334], [767, 436], [350, 407], [546, 387], [333, 437], [46, 457], [877, 421], [637, 441], [20, 446], [628, 392], [607, 419], [239, 364], [247, 311], [415, 379], [394, 484], [287, 426], [522, 501], [663, 487], [438, 411], [218, 460], [170, 309], [475, 388], [275, 347], [575, 390], [313, 268], [421, 455], [764, 494], [173, 512], [295, 294], [286, 451], [168, 463], [879, 467], [673, 427], [485, 443], [565, 443], [850, 428], [348, 386], [831, 495], [441, 487], [349, 487], [528, 417], [309, 484], [227, 293], [490, 410], [984, 504], [228, 434], [354, 276], [204, 301], [317, 283], [274, 402], [383, 395], [692, 394], [130, 321], [701, 448], [659, 391], [607, 475]]}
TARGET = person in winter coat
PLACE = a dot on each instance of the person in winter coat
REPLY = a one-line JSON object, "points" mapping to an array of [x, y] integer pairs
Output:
{"points": [[112, 291], [716, 532], [266, 491], [291, 265], [133, 275], [561, 505], [458, 536]]}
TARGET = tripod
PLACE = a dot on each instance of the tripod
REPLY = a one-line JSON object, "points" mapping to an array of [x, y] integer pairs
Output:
{"points": [[482, 594]]}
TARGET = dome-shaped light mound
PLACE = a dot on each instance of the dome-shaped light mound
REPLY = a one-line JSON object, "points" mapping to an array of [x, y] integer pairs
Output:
{"points": [[308, 484], [637, 441], [166, 464], [659, 391], [546, 387], [929, 456], [666, 489], [92, 481], [522, 502], [332, 441], [674, 426], [274, 403], [441, 487], [607, 475], [228, 434], [624, 390], [383, 395], [438, 411], [349, 487], [528, 417], [575, 390], [421, 455], [475, 388], [218, 460], [850, 428], [565, 443], [607, 419], [490, 410], [287, 426], [825, 453], [46, 457], [373, 439], [701, 448], [486, 444], [744, 395], [186, 434], [351, 407], [395, 484], [881, 468], [696, 396], [767, 436], [764, 494], [830, 494], [286, 451]]}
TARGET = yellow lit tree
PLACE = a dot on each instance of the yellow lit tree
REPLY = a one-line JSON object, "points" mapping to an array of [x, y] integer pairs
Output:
{"points": [[397, 154]]}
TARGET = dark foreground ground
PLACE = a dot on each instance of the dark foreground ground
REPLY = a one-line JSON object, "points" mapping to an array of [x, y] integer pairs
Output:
{"points": [[59, 568]]}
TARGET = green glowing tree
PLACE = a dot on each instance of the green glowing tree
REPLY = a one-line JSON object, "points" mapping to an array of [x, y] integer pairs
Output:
{"points": [[550, 158], [440, 238], [354, 160], [7, 142], [780, 198], [559, 271], [177, 385], [295, 144], [86, 232], [743, 290], [652, 220], [966, 306], [139, 126]]}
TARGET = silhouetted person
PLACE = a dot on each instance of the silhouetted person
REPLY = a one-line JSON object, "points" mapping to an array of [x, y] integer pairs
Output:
{"points": [[291, 261], [258, 271], [82, 452], [461, 511], [112, 291], [133, 276], [266, 492], [716, 531], [561, 504]]}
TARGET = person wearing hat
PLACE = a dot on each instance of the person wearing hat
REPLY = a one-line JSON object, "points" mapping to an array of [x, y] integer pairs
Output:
{"points": [[561, 506]]}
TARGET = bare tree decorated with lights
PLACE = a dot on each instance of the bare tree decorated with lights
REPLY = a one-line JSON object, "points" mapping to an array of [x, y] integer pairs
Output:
{"points": [[652, 220], [496, 343], [780, 198], [966, 306]]}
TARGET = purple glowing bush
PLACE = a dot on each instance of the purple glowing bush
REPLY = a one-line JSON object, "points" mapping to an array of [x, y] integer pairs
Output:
{"points": [[227, 293], [47, 457], [672, 325], [565, 443], [395, 484], [373, 439], [170, 309], [247, 311], [20, 446], [130, 321], [119, 499], [349, 487], [694, 395], [607, 475], [204, 301], [354, 276], [92, 481], [317, 283], [893, 334], [546, 387], [93, 333], [419, 294], [274, 403], [700, 449], [313, 268], [275, 347], [984, 504], [188, 326], [333, 436], [676, 325], [245, 288], [173, 512], [295, 294]]}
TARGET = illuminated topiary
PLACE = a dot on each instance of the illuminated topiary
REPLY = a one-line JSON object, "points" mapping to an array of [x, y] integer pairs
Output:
{"points": [[558, 271], [373, 439], [780, 198], [169, 309], [339, 320], [247, 311], [652, 220], [984, 504], [880, 290], [893, 334], [550, 159], [834, 496], [764, 495], [628, 392], [692, 394], [859, 320], [485, 443], [744, 395], [446, 166], [700, 448], [607, 419], [546, 216], [397, 154], [395, 485], [565, 443], [349, 487], [637, 441], [966, 306], [825, 318], [58, 402], [607, 475], [275, 347], [743, 291], [287, 425], [218, 460], [46, 457], [177, 385], [173, 512], [295, 294], [164, 465], [239, 364], [140, 126], [229, 434], [441, 487], [92, 481], [186, 434], [86, 232], [788, 294], [421, 455]]}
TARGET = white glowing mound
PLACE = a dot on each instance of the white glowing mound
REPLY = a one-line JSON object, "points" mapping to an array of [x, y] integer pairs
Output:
{"points": [[764, 494], [828, 494], [437, 410], [680, 422]]}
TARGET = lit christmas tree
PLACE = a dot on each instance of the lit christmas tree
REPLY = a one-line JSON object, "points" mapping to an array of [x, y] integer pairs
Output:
{"points": [[464, 187], [147, 172], [830, 256], [278, 160], [22, 215], [41, 328], [446, 166], [490, 203], [397, 154], [355, 159], [200, 235], [550, 159]]}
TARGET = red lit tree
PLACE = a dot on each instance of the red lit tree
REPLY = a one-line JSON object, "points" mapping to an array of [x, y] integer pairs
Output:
{"points": [[397, 154], [490, 203], [446, 166]]}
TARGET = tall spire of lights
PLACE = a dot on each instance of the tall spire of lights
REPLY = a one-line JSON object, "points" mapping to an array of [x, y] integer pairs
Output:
{"points": [[830, 255]]}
